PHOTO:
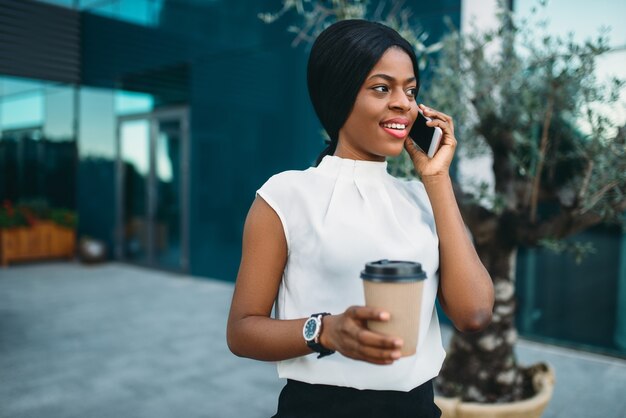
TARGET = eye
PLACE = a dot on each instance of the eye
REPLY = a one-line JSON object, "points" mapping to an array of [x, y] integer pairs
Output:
{"points": [[411, 92], [381, 89]]}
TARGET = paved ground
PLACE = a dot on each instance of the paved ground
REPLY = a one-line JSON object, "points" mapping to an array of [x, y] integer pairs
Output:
{"points": [[121, 341]]}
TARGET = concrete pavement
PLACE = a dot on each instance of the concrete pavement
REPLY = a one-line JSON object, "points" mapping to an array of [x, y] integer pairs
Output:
{"points": [[121, 341]]}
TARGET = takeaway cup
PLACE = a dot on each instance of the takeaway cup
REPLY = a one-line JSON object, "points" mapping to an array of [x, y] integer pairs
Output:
{"points": [[396, 287]]}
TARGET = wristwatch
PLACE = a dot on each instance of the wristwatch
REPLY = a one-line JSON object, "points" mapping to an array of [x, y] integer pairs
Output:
{"points": [[312, 330]]}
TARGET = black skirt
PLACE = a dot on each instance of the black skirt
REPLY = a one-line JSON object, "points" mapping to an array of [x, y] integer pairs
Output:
{"points": [[304, 400]]}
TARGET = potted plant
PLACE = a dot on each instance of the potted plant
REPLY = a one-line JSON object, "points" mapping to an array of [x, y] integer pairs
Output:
{"points": [[520, 96], [558, 166], [31, 230]]}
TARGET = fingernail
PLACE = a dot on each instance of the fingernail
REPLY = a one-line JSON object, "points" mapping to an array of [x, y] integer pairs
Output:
{"points": [[384, 316], [397, 343], [395, 355]]}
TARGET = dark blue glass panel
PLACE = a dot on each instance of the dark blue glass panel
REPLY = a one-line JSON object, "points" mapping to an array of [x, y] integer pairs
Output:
{"points": [[570, 303]]}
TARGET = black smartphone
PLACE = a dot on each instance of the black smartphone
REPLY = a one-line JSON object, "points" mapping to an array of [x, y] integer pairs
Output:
{"points": [[426, 137]]}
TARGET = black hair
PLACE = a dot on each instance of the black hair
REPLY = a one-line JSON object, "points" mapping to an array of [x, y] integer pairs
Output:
{"points": [[341, 58]]}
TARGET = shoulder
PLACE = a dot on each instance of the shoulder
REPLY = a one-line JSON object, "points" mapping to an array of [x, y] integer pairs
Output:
{"points": [[287, 181], [285, 193], [285, 187], [287, 177]]}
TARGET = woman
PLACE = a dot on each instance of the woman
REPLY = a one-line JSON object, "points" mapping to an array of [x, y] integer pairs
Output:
{"points": [[309, 233]]}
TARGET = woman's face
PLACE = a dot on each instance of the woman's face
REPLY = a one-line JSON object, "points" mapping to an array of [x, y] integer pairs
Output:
{"points": [[383, 112]]}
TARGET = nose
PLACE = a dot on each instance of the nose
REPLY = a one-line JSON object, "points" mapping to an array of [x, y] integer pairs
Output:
{"points": [[400, 101]]}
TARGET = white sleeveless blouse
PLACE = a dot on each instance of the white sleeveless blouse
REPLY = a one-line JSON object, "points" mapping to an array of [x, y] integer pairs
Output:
{"points": [[336, 217]]}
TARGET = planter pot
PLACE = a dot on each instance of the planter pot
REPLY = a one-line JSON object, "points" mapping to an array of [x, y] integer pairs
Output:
{"points": [[543, 383], [40, 241]]}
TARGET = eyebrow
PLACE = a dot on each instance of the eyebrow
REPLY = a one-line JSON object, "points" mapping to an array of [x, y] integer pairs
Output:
{"points": [[390, 78]]}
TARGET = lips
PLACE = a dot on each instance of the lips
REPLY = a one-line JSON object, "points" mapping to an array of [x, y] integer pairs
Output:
{"points": [[396, 127], [403, 121]]}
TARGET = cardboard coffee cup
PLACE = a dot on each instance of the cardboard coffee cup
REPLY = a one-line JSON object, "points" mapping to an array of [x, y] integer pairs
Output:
{"points": [[396, 287]]}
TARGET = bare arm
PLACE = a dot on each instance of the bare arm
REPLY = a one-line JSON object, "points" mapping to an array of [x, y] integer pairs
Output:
{"points": [[465, 287], [250, 330]]}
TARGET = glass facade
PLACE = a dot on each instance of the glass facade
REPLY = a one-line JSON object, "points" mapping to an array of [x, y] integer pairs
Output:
{"points": [[185, 107], [37, 141]]}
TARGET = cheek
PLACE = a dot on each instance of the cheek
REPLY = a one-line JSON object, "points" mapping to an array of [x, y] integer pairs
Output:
{"points": [[360, 116], [413, 112], [365, 116]]}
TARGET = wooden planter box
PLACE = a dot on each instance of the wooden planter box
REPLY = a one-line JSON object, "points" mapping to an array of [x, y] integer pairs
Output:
{"points": [[40, 241]]}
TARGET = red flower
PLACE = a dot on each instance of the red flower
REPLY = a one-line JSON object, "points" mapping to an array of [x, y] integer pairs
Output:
{"points": [[8, 206]]}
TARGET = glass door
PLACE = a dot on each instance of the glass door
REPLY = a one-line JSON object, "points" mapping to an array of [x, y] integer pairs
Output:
{"points": [[134, 159], [152, 185]]}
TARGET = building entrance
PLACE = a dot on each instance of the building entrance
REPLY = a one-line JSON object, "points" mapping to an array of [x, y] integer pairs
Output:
{"points": [[152, 187]]}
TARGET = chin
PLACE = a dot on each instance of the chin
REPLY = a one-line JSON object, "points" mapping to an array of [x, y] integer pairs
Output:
{"points": [[393, 150]]}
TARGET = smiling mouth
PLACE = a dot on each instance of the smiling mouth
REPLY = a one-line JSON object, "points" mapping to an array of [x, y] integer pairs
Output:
{"points": [[397, 130], [398, 126]]}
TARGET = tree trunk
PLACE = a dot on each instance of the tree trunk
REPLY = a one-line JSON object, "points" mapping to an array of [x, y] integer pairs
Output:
{"points": [[482, 367]]}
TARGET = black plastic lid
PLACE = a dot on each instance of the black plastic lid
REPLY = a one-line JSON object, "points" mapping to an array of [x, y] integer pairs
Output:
{"points": [[393, 271]]}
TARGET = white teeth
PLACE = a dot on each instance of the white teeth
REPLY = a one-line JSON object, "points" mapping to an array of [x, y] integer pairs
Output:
{"points": [[394, 126]]}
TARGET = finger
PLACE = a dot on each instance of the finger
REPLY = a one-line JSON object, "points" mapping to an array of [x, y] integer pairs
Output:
{"points": [[448, 137], [372, 354], [439, 123], [365, 313], [416, 154], [372, 339], [433, 113], [412, 149], [353, 349]]}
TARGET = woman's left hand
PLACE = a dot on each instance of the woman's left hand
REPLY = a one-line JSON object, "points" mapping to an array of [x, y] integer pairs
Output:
{"points": [[440, 163]]}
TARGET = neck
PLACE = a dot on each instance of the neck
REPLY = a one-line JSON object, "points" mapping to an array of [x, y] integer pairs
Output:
{"points": [[346, 151]]}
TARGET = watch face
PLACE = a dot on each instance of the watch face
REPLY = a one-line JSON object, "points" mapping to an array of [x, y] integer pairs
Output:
{"points": [[310, 329]]}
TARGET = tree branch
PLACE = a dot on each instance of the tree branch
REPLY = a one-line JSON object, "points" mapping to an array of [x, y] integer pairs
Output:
{"points": [[596, 197], [566, 223], [322, 13], [534, 197], [585, 185], [481, 222]]}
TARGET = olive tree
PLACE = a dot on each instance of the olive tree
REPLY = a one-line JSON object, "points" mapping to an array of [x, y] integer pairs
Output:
{"points": [[534, 103]]}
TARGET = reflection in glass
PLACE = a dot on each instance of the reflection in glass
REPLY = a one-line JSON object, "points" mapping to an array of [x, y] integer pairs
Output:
{"points": [[16, 85], [9, 167], [134, 155], [58, 124], [128, 103], [97, 123], [168, 195], [25, 175], [21, 110], [139, 12]]}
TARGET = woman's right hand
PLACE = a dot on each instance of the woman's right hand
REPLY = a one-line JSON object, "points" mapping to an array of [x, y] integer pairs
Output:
{"points": [[348, 334]]}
